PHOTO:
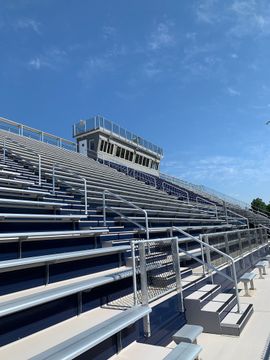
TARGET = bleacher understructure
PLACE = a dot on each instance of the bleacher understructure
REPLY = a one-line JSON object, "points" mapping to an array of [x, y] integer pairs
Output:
{"points": [[94, 258]]}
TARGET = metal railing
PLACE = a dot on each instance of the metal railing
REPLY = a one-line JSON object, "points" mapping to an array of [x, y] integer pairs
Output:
{"points": [[38, 135], [105, 207], [25, 147], [151, 274], [239, 216], [208, 202], [206, 191], [208, 263], [174, 190], [55, 165], [54, 176]]}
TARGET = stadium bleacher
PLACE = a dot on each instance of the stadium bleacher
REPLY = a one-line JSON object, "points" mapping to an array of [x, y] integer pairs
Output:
{"points": [[69, 227]]}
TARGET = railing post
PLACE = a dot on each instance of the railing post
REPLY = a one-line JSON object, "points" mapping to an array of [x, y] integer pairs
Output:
{"points": [[202, 253], [226, 240], [240, 243], [178, 280], [53, 178], [4, 151], [146, 224], [208, 258], [85, 197], [144, 289], [39, 170], [134, 273], [104, 208], [236, 286], [225, 212], [256, 237], [250, 246]]}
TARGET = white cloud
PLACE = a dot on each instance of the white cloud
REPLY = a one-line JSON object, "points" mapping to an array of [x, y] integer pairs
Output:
{"points": [[35, 63], [151, 69], [93, 66], [27, 23], [206, 11], [108, 32], [52, 58], [162, 36], [242, 17], [252, 167], [233, 92]]}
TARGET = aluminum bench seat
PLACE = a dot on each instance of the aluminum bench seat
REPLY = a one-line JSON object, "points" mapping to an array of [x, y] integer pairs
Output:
{"points": [[86, 340], [189, 228], [248, 277], [27, 203], [7, 190], [40, 217], [261, 265], [188, 333], [45, 235], [153, 212], [47, 293], [9, 173], [184, 351], [170, 219], [33, 261], [17, 182]]}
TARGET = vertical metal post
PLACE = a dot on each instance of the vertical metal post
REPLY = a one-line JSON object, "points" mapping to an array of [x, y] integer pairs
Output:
{"points": [[256, 237], [261, 235], [202, 254], [177, 270], [240, 243], [225, 212], [104, 208], [134, 276], [4, 151], [53, 179], [85, 197], [39, 170], [144, 289], [208, 258], [236, 287], [250, 245], [226, 240]]}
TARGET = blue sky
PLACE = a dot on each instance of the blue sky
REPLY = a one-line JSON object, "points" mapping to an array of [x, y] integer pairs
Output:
{"points": [[191, 76]]}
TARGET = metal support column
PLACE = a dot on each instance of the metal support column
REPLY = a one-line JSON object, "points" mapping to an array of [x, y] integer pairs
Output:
{"points": [[176, 264], [208, 258], [202, 254], [144, 289]]}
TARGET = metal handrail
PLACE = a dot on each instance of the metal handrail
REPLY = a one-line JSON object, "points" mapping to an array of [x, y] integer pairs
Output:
{"points": [[54, 176], [177, 189], [32, 151], [210, 247], [146, 228], [209, 202], [240, 216]]}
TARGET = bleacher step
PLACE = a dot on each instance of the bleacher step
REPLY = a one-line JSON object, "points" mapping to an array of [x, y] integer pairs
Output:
{"points": [[234, 322]]}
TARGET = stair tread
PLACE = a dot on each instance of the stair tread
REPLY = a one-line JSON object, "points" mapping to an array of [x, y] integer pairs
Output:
{"points": [[209, 287], [202, 292], [218, 302], [233, 317]]}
